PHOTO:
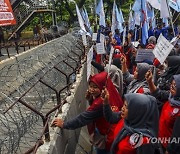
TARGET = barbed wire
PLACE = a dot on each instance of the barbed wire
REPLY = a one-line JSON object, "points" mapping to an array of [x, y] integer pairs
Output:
{"points": [[32, 84]]}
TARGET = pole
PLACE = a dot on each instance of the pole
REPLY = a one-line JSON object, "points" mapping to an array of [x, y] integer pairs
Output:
{"points": [[176, 18], [170, 18], [95, 5]]}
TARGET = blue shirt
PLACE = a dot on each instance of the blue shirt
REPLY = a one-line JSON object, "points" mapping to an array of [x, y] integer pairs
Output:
{"points": [[118, 39]]}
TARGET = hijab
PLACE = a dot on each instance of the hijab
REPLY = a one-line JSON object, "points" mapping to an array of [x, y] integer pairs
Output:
{"points": [[172, 69], [175, 101], [116, 77], [140, 81], [102, 80], [99, 79], [142, 117]]}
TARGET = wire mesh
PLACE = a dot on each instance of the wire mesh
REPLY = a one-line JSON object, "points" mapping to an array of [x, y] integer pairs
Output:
{"points": [[30, 88]]}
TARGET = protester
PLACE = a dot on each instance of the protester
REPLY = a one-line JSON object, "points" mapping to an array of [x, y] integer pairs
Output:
{"points": [[44, 32], [127, 48], [15, 39], [117, 37], [93, 116], [135, 83], [172, 68], [170, 112], [137, 124], [151, 42]]}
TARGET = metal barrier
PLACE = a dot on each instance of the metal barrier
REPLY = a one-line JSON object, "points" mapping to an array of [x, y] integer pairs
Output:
{"points": [[20, 46], [32, 89]]}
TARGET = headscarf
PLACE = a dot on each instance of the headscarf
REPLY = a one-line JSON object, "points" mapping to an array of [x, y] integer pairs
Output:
{"points": [[117, 62], [101, 80], [116, 77], [142, 70], [140, 81], [175, 101], [152, 39], [173, 69], [142, 117]]}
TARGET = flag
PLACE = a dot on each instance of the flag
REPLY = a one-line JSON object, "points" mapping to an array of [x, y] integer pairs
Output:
{"points": [[137, 6], [80, 19], [119, 19], [98, 8], [124, 35], [144, 21], [86, 20], [155, 4], [131, 20], [165, 20], [83, 14], [121, 15], [100, 12], [137, 18], [116, 20], [151, 17], [113, 26], [6, 14], [175, 4], [164, 11]]}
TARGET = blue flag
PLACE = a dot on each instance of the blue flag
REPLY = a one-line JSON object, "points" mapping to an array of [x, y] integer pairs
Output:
{"points": [[86, 21], [137, 6], [100, 12], [144, 21], [121, 15]]}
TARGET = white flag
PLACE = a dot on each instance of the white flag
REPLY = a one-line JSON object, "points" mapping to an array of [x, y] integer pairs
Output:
{"points": [[164, 9], [113, 26], [155, 4], [80, 19]]}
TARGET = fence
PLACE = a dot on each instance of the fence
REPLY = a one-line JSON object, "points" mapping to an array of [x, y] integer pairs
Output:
{"points": [[33, 88]]}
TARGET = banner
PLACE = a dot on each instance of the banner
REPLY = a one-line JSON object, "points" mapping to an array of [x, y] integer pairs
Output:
{"points": [[175, 4], [6, 13], [162, 49], [144, 54]]}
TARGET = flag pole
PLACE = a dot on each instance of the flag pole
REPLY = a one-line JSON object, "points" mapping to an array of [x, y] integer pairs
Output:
{"points": [[176, 18], [170, 18], [140, 32], [95, 26]]}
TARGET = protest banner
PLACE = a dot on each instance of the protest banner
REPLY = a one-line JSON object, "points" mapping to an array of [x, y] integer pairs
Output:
{"points": [[6, 13], [94, 36], [144, 54], [162, 49]]}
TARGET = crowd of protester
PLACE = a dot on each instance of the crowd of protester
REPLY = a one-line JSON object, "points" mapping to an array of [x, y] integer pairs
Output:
{"points": [[137, 102]]}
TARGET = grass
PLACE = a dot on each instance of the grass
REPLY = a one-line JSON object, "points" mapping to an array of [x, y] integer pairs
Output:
{"points": [[24, 35]]}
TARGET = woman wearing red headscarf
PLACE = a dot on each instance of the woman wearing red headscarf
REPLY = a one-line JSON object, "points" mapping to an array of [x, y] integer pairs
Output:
{"points": [[93, 116]]}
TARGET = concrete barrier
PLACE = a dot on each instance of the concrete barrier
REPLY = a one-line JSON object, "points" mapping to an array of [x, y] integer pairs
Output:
{"points": [[65, 141]]}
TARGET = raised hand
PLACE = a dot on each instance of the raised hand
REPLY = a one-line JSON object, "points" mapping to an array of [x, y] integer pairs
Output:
{"points": [[149, 76], [105, 96]]}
